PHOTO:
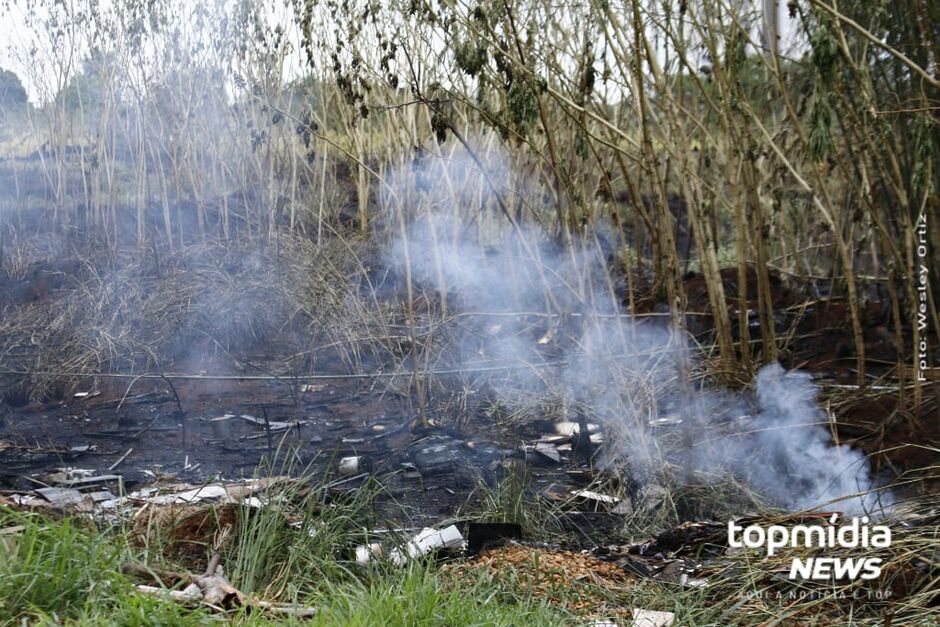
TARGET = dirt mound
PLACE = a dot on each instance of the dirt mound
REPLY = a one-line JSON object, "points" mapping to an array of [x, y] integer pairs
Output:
{"points": [[577, 582]]}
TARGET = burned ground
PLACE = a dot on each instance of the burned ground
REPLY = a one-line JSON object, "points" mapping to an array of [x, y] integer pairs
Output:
{"points": [[132, 381], [293, 347]]}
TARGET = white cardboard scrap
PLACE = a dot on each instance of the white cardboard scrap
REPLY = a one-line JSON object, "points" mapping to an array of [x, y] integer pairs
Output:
{"points": [[652, 618]]}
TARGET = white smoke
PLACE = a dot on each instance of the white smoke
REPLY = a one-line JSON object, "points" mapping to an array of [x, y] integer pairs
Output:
{"points": [[571, 341], [793, 454]]}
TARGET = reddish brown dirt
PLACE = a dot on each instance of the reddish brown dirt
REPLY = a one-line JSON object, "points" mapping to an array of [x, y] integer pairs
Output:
{"points": [[580, 583]]}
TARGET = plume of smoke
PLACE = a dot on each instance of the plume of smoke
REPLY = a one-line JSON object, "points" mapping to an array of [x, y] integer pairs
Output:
{"points": [[584, 352], [794, 455]]}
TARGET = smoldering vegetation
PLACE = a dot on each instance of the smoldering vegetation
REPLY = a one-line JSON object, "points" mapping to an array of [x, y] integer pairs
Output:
{"points": [[176, 205], [552, 319], [207, 308], [542, 326], [535, 264]]}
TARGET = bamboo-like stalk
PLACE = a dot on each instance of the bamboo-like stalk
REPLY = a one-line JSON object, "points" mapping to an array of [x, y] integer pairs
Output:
{"points": [[183, 150]]}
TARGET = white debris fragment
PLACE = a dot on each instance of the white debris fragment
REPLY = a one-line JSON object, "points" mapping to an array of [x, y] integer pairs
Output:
{"points": [[366, 552], [26, 500], [348, 465], [274, 425], [572, 428], [691, 582], [63, 475], [548, 337], [596, 496], [425, 542], [652, 618], [214, 492], [189, 594]]}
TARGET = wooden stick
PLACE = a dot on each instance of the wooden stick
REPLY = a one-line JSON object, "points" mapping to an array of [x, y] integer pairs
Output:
{"points": [[122, 458]]}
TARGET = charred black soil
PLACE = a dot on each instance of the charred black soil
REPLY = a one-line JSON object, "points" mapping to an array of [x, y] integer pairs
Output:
{"points": [[249, 391]]}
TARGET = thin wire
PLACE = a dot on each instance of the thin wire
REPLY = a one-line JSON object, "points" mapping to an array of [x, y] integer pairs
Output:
{"points": [[304, 377]]}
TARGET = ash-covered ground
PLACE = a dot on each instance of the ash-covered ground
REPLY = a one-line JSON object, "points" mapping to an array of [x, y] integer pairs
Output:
{"points": [[212, 363]]}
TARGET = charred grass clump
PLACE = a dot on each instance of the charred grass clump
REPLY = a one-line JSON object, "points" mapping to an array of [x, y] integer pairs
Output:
{"points": [[217, 304]]}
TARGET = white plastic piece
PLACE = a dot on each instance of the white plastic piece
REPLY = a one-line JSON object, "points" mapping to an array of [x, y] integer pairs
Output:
{"points": [[652, 618], [427, 540], [572, 428], [349, 465], [595, 496], [366, 552], [212, 492]]}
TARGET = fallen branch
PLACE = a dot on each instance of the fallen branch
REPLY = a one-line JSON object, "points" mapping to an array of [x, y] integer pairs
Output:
{"points": [[121, 459], [212, 588]]}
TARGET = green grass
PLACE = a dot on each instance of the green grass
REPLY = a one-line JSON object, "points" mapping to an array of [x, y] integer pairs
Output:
{"points": [[419, 596], [513, 501], [60, 571], [295, 549], [67, 571]]}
